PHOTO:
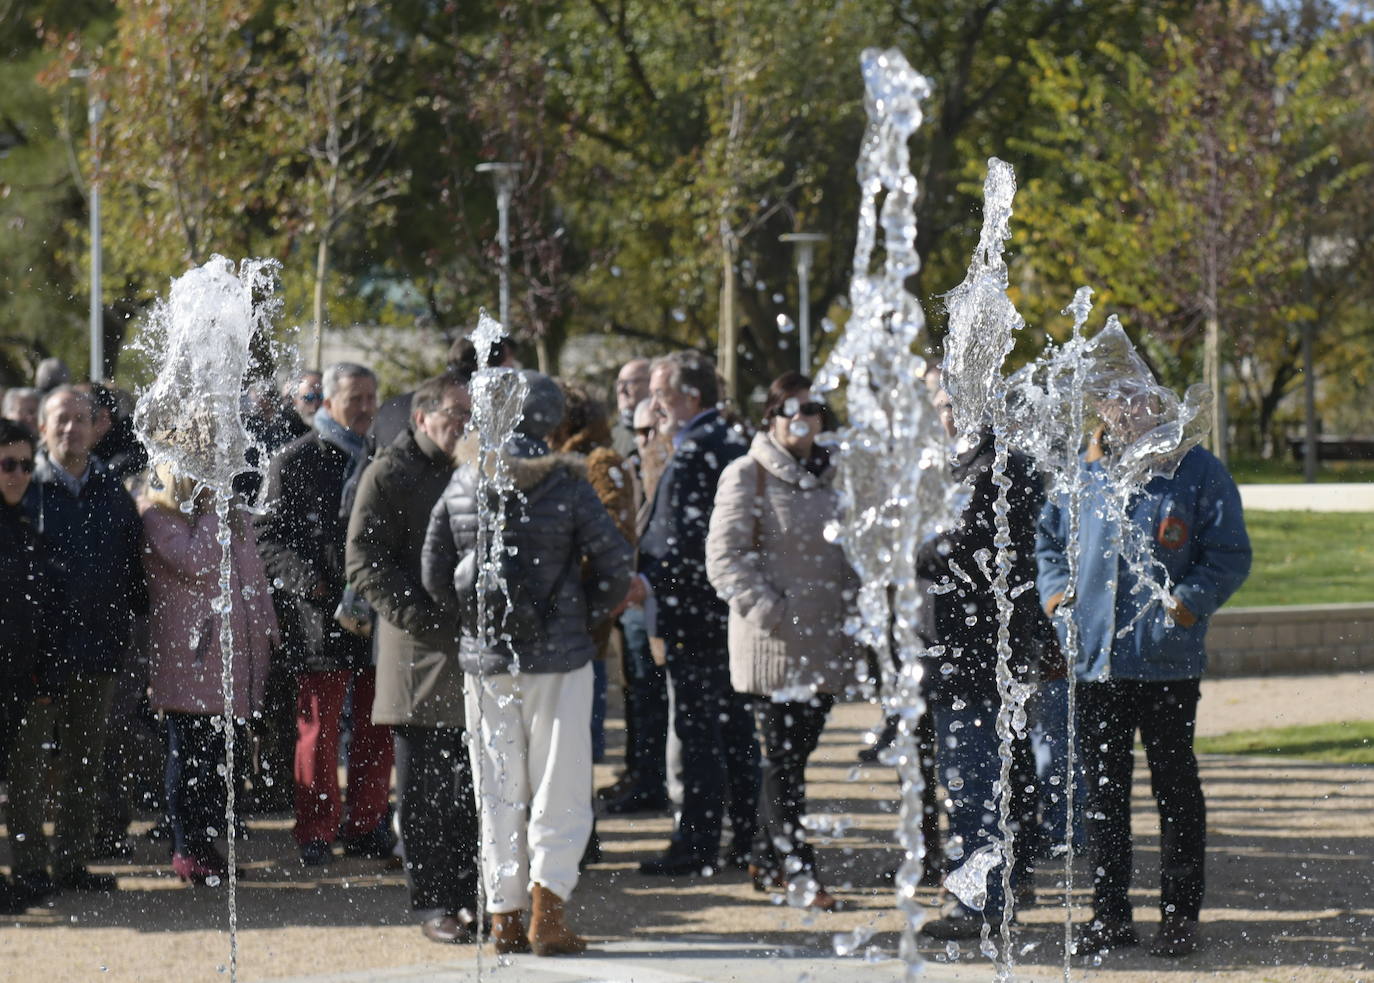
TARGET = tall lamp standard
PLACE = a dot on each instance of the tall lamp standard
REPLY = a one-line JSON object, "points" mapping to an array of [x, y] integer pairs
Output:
{"points": [[95, 110], [504, 176], [804, 243]]}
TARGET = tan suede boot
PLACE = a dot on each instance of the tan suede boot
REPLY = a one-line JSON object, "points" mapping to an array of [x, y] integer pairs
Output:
{"points": [[549, 933], [508, 933]]}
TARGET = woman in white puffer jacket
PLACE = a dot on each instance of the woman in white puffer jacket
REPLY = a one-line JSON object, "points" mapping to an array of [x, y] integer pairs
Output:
{"points": [[789, 592]]}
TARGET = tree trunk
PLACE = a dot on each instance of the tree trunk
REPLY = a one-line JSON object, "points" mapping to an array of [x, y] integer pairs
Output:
{"points": [[321, 273], [727, 340]]}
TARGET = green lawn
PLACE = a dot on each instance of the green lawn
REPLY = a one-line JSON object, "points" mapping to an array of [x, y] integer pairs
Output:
{"points": [[1346, 743], [1309, 558]]}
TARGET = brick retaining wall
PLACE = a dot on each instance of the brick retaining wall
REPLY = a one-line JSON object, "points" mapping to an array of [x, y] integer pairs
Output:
{"points": [[1302, 638]]}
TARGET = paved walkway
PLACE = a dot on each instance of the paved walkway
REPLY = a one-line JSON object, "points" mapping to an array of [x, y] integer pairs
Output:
{"points": [[1350, 497], [1290, 894]]}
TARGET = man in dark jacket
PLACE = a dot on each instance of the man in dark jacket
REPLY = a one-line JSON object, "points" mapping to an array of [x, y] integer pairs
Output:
{"points": [[310, 488], [419, 681], [720, 758], [92, 532], [963, 692]]}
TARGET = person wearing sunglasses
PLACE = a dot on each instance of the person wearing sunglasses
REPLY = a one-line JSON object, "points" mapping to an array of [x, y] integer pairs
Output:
{"points": [[307, 395], [21, 616], [789, 592]]}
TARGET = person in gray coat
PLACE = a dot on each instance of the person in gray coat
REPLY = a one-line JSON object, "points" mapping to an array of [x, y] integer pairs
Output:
{"points": [[419, 682], [567, 566], [789, 592]]}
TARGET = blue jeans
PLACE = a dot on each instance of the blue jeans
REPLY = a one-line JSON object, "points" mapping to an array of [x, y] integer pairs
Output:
{"points": [[968, 765], [646, 708], [1048, 710]]}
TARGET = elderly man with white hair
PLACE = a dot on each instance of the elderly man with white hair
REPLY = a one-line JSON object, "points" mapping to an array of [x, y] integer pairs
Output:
{"points": [[303, 534]]}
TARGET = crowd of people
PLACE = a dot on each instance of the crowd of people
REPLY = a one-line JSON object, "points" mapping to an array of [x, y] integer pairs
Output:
{"points": [[674, 540]]}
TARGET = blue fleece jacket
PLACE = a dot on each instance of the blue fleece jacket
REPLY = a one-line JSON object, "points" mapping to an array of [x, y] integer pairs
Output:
{"points": [[1197, 531]]}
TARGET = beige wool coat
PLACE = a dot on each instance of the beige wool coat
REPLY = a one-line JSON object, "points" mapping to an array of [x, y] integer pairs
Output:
{"points": [[789, 590]]}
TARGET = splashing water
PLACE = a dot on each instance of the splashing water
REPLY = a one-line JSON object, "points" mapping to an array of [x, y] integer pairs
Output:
{"points": [[982, 326], [498, 399], [1049, 395], [205, 341], [982, 318], [893, 474], [970, 882]]}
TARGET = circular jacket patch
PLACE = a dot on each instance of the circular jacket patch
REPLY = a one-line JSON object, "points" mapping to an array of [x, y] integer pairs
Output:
{"points": [[1173, 532]]}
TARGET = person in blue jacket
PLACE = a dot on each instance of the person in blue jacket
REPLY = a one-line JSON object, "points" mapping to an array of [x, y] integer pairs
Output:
{"points": [[1139, 664]]}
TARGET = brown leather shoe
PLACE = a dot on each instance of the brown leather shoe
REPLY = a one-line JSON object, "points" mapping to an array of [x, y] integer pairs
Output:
{"points": [[825, 901], [549, 932], [508, 933], [765, 879], [446, 929]]}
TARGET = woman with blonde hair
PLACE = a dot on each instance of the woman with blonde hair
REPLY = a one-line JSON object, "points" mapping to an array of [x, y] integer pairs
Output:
{"points": [[182, 562]]}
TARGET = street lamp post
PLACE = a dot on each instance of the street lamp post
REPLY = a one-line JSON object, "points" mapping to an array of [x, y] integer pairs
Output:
{"points": [[805, 245], [504, 176], [95, 110]]}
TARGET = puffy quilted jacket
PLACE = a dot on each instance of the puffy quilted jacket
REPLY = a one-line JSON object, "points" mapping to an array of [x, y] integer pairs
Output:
{"points": [[563, 522]]}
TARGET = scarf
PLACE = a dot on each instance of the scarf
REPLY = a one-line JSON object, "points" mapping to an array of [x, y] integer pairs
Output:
{"points": [[336, 434]]}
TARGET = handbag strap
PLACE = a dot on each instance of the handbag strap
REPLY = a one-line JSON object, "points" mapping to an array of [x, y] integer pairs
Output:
{"points": [[758, 505]]}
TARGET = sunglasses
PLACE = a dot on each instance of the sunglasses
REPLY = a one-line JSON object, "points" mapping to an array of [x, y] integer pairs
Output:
{"points": [[9, 465], [311, 397], [644, 431], [812, 408]]}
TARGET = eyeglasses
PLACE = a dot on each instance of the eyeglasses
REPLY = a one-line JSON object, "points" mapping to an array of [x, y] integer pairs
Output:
{"points": [[812, 408], [628, 386], [311, 397], [9, 465], [644, 431]]}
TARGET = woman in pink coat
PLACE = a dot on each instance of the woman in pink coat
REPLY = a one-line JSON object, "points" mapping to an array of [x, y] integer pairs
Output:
{"points": [[182, 561]]}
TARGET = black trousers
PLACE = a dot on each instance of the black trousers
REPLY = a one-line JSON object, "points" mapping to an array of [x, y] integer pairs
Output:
{"points": [[1165, 713], [720, 758], [789, 732], [438, 814], [193, 788]]}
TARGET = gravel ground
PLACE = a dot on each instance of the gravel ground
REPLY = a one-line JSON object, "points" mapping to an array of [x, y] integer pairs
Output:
{"points": [[1290, 892]]}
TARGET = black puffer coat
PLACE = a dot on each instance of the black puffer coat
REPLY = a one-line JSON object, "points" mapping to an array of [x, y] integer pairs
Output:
{"points": [[566, 522], [966, 617], [302, 537]]}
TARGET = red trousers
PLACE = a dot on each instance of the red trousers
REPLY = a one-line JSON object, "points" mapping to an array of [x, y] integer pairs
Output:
{"points": [[319, 708]]}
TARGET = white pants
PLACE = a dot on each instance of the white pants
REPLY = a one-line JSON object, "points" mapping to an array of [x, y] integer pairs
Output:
{"points": [[532, 766]]}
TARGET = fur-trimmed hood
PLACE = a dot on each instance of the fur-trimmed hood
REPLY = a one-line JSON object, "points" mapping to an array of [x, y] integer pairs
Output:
{"points": [[529, 461]]}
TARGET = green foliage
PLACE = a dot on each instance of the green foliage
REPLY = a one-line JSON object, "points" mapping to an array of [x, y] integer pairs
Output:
{"points": [[1348, 743], [1309, 558], [658, 142], [1199, 169]]}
